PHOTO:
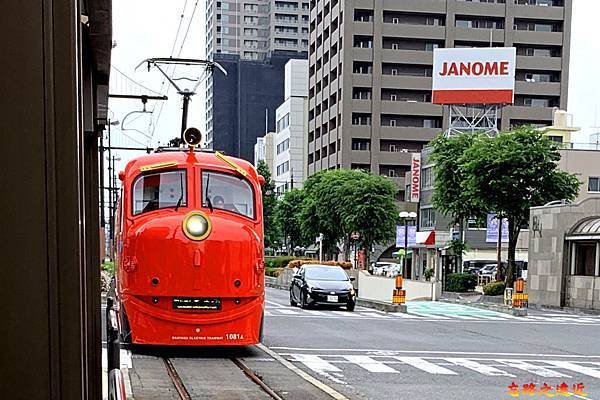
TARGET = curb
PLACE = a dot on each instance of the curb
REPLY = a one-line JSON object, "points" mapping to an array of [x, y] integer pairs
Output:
{"points": [[381, 305], [516, 312]]}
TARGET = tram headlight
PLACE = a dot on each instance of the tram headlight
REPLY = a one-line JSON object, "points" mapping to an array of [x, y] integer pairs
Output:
{"points": [[196, 225]]}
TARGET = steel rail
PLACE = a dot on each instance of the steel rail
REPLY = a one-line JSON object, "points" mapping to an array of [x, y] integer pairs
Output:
{"points": [[176, 379], [255, 378]]}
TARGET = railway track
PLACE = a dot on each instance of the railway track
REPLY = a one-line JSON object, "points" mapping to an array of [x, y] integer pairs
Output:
{"points": [[184, 394]]}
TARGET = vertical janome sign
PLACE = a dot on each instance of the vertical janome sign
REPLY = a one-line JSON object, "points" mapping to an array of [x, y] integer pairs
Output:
{"points": [[415, 178], [474, 75]]}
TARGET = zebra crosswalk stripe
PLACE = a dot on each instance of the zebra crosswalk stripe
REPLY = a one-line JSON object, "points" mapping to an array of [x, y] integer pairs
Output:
{"points": [[370, 364], [286, 311], [581, 369], [425, 365], [533, 369], [315, 363], [478, 367]]}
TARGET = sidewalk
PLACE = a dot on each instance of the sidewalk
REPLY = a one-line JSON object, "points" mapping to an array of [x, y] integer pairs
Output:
{"points": [[479, 300]]}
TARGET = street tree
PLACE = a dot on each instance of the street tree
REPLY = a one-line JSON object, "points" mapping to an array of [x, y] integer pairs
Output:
{"points": [[512, 172], [339, 202], [288, 218], [449, 198], [269, 202]]}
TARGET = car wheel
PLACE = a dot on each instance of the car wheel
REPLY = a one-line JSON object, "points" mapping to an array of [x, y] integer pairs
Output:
{"points": [[350, 306], [292, 302], [303, 302]]}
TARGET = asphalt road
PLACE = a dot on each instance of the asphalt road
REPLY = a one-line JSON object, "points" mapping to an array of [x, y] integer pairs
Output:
{"points": [[437, 350]]}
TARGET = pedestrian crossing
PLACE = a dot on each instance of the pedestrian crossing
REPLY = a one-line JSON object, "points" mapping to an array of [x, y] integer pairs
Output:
{"points": [[337, 364], [431, 312]]}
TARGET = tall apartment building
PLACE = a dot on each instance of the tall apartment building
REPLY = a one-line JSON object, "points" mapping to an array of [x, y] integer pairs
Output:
{"points": [[370, 66], [254, 28]]}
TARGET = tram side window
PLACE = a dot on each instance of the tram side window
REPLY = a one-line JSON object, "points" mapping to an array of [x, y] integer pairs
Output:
{"points": [[227, 192], [161, 190]]}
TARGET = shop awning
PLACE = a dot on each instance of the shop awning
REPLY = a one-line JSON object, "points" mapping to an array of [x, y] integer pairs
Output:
{"points": [[588, 229]]}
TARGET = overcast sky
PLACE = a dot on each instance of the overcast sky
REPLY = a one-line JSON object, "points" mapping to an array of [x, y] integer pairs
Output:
{"points": [[148, 28]]}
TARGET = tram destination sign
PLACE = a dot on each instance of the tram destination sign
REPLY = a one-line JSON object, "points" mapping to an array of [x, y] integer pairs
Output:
{"points": [[196, 303], [474, 75]]}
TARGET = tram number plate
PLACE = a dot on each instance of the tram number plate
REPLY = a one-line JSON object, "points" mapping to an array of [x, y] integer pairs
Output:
{"points": [[196, 303], [332, 299]]}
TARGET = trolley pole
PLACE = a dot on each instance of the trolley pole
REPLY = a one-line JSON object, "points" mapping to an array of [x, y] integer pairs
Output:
{"points": [[186, 101]]}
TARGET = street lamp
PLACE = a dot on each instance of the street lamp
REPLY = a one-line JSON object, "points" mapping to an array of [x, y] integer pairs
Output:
{"points": [[406, 216]]}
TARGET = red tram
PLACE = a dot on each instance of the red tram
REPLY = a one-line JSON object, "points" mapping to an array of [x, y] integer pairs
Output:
{"points": [[189, 251]]}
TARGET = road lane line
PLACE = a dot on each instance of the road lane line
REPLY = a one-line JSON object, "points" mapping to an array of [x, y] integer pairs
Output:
{"points": [[370, 364], [425, 365], [478, 367], [463, 316], [346, 313], [576, 368], [373, 315], [534, 369], [317, 383], [432, 316]]}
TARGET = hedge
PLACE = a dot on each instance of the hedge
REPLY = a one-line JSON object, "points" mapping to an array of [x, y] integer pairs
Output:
{"points": [[494, 288], [274, 272], [299, 263], [278, 262], [460, 282]]}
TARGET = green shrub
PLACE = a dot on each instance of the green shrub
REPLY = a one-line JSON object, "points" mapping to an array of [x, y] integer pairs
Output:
{"points": [[278, 262], [274, 272], [494, 289], [108, 266], [460, 282]]}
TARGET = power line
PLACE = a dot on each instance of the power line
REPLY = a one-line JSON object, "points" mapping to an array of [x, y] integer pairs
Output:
{"points": [[178, 54], [134, 81]]}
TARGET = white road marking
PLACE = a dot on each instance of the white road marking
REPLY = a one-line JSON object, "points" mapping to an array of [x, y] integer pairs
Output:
{"points": [[314, 312], [534, 369], [274, 304], [286, 311], [463, 316], [345, 313], [320, 385], [374, 315], [432, 316], [425, 365], [576, 368], [315, 363], [478, 367], [393, 352], [370, 364], [492, 318]]}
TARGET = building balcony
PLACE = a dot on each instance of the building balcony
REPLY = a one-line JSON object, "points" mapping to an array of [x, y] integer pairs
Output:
{"points": [[412, 31], [539, 63], [539, 38], [364, 80], [361, 157], [360, 131], [538, 12], [538, 88], [362, 28], [408, 133], [479, 9], [478, 35], [361, 106], [394, 158], [424, 6], [407, 56], [411, 108], [406, 82], [530, 113], [362, 54]]}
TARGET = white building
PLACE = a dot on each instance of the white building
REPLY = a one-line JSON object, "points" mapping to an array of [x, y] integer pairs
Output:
{"points": [[290, 143], [263, 150]]}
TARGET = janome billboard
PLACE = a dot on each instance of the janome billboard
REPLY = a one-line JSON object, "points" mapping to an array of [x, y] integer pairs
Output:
{"points": [[474, 75]]}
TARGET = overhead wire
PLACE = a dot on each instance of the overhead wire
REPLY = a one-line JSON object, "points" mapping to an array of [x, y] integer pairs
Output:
{"points": [[154, 125]]}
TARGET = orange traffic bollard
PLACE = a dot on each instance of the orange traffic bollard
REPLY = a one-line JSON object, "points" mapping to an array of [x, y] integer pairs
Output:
{"points": [[399, 282]]}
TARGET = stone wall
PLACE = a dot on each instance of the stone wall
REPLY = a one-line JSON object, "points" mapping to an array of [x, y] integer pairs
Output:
{"points": [[548, 280]]}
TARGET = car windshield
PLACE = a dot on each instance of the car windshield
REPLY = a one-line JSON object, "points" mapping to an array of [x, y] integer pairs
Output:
{"points": [[159, 190], [227, 192], [326, 274]]}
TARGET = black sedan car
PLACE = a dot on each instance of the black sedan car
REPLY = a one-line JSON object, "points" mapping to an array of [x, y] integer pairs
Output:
{"points": [[322, 285]]}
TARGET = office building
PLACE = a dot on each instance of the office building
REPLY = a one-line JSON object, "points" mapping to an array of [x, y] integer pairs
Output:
{"points": [[263, 150], [370, 65]]}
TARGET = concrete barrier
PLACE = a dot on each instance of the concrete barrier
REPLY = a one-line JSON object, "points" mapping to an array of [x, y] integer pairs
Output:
{"points": [[381, 288]]}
